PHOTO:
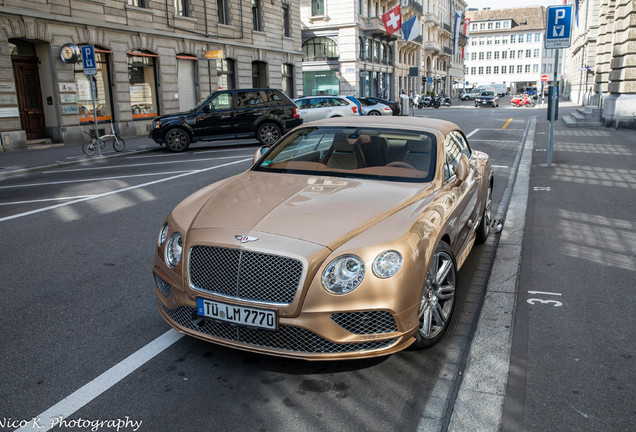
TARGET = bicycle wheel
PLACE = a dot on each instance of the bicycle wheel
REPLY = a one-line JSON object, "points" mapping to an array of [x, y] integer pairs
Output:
{"points": [[89, 148], [119, 144]]}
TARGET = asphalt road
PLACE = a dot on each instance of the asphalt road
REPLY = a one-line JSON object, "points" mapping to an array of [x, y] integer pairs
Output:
{"points": [[81, 334]]}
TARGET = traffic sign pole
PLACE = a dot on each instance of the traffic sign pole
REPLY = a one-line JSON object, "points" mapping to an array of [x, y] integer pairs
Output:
{"points": [[554, 95], [90, 70]]}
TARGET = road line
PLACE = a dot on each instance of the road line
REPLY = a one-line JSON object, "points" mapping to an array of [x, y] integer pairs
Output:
{"points": [[44, 200], [507, 123], [495, 141], [93, 179], [126, 189], [472, 133], [85, 394]]}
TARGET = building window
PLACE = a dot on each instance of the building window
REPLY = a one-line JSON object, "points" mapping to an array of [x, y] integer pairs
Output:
{"points": [[498, 24], [473, 70], [481, 56], [536, 52], [225, 74], [513, 38], [143, 84], [482, 26], [506, 24], [520, 54], [504, 55], [543, 68], [504, 41], [322, 48], [489, 26], [512, 54], [137, 3], [317, 7], [497, 41], [221, 7], [537, 37], [519, 68], [488, 70], [482, 41], [489, 55], [520, 38], [503, 69], [527, 68], [288, 79], [473, 56], [103, 100], [528, 53], [182, 7], [473, 41], [535, 67], [368, 48], [549, 67], [489, 41], [496, 55], [259, 74], [286, 21], [361, 53], [511, 70], [481, 70], [257, 24], [474, 26]]}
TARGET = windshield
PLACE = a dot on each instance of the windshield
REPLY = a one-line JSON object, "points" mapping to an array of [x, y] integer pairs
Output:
{"points": [[397, 155], [488, 93]]}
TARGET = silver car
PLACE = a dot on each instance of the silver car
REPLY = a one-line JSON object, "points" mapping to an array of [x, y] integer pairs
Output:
{"points": [[322, 107], [374, 109]]}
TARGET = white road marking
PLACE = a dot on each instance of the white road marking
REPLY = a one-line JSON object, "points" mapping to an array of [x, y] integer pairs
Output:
{"points": [[70, 404], [44, 200], [94, 179], [496, 141], [19, 215], [472, 133], [500, 166], [173, 155]]}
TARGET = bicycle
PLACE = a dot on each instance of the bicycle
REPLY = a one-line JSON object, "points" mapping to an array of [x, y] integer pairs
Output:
{"points": [[89, 147]]}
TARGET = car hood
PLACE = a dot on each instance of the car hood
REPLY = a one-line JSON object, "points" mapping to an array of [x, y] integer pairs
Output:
{"points": [[318, 209]]}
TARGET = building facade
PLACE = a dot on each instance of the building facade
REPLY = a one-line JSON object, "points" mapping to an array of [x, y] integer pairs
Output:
{"points": [[346, 49], [152, 57], [601, 62], [506, 46]]}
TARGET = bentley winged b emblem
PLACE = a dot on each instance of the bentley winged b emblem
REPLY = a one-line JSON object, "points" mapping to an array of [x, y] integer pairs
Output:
{"points": [[245, 239]]}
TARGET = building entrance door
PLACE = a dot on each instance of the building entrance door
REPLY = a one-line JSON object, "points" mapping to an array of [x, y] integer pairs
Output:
{"points": [[27, 83]]}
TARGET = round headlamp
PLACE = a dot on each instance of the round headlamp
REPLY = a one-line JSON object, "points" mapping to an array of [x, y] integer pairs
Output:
{"points": [[343, 274], [174, 248], [387, 264], [163, 234]]}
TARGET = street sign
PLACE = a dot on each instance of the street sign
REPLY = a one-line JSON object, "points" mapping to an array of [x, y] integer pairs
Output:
{"points": [[430, 80], [413, 71], [88, 60], [558, 28], [544, 78]]}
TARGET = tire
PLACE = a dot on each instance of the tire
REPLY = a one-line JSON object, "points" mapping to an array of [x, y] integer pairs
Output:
{"points": [[118, 144], [483, 230], [438, 298], [374, 113], [436, 104], [268, 133], [177, 140], [89, 148]]}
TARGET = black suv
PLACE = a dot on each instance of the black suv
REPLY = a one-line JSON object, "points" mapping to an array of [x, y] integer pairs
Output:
{"points": [[262, 113]]}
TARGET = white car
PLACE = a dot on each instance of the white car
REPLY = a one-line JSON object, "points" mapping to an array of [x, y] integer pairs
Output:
{"points": [[322, 107], [374, 109]]}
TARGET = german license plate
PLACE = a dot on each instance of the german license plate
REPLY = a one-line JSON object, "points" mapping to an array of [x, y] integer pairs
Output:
{"points": [[240, 315]]}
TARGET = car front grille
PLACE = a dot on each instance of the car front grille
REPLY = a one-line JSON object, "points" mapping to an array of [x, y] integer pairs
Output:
{"points": [[287, 338], [164, 287], [367, 322], [246, 275]]}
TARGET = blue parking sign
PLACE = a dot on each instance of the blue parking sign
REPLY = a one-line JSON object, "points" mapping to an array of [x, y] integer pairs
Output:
{"points": [[558, 28], [88, 60]]}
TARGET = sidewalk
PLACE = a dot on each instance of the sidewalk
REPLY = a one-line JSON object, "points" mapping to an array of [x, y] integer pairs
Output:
{"points": [[554, 343], [57, 155]]}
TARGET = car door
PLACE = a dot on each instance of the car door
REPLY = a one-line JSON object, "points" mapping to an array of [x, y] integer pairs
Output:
{"points": [[249, 108], [215, 120], [470, 186]]}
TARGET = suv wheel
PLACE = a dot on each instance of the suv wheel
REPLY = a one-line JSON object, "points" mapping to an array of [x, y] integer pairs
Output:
{"points": [[268, 133], [177, 140]]}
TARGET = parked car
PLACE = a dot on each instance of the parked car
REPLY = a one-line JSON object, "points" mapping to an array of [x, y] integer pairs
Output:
{"points": [[472, 94], [487, 97], [395, 106], [264, 114], [374, 108], [320, 107], [343, 240], [532, 92]]}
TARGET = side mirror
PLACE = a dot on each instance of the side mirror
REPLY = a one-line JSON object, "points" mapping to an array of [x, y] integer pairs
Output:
{"points": [[259, 152], [462, 168]]}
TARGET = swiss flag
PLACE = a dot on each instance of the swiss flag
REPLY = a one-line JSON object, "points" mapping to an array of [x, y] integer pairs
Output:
{"points": [[392, 20]]}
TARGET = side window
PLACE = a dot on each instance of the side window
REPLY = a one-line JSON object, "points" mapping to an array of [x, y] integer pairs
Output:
{"points": [[273, 98], [317, 103], [452, 153], [303, 103], [339, 102], [221, 101], [461, 142], [249, 99]]}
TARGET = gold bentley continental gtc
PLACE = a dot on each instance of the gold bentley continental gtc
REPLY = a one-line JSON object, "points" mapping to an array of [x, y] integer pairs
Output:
{"points": [[342, 241]]}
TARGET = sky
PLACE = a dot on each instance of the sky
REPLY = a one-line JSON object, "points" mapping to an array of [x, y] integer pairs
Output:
{"points": [[504, 4]]}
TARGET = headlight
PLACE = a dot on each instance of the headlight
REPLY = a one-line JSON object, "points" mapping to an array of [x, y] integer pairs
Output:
{"points": [[343, 274], [156, 125], [173, 249], [163, 234], [387, 264]]}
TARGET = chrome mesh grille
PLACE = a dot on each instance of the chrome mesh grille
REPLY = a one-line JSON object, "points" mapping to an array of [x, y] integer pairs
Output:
{"points": [[164, 287], [367, 322], [245, 274], [287, 338]]}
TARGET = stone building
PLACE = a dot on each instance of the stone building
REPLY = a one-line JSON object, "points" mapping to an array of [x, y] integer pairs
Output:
{"points": [[601, 62], [152, 57], [346, 49]]}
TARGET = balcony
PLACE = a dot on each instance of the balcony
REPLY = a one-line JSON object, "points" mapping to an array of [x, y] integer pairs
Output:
{"points": [[412, 4], [373, 25], [447, 27], [463, 40], [447, 51], [432, 46], [432, 19]]}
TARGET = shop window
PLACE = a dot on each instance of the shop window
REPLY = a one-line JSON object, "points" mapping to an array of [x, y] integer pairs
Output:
{"points": [[288, 79], [225, 73], [322, 48], [143, 84], [103, 100]]}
